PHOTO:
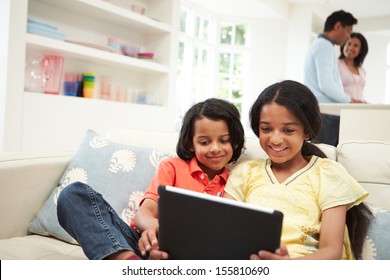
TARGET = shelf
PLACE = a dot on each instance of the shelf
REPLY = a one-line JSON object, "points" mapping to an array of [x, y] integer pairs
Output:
{"points": [[110, 13], [68, 101], [69, 50], [37, 121]]}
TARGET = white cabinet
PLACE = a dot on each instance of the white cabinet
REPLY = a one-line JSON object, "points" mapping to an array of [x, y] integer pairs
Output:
{"points": [[38, 121]]}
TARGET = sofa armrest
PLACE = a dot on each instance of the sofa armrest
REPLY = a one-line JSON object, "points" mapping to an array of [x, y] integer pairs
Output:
{"points": [[26, 181]]}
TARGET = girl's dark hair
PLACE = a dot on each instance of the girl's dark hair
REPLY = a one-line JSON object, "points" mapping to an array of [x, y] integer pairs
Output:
{"points": [[301, 102], [216, 110], [359, 219], [358, 61]]}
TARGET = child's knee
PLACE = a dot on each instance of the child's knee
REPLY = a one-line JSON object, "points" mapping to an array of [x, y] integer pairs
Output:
{"points": [[71, 195]]}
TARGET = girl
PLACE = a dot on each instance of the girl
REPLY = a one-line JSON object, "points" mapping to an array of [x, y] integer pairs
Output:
{"points": [[211, 137], [352, 73], [313, 192]]}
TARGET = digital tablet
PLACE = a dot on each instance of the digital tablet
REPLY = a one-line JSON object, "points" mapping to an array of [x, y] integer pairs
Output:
{"points": [[198, 226]]}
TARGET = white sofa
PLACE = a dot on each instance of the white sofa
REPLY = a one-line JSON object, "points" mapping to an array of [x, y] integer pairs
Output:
{"points": [[27, 180]]}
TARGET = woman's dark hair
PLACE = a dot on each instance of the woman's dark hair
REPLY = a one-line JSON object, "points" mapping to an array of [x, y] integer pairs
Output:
{"points": [[341, 16], [358, 61], [216, 110], [301, 102]]}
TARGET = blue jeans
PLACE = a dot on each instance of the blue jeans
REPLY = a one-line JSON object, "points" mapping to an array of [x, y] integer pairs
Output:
{"points": [[89, 219], [329, 133]]}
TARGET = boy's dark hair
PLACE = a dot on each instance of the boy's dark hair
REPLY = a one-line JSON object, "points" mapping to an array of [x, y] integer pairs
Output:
{"points": [[341, 16], [358, 61], [216, 110], [301, 102]]}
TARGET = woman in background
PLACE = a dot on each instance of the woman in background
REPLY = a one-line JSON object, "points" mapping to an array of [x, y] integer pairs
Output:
{"points": [[352, 73]]}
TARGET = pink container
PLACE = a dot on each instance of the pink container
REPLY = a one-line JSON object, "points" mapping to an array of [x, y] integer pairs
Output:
{"points": [[52, 68], [105, 87]]}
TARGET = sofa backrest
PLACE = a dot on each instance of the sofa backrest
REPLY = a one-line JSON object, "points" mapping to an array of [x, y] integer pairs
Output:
{"points": [[353, 120], [26, 181], [369, 163], [144, 138]]}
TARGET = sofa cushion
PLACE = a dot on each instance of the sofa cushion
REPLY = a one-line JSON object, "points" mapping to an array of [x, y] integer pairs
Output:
{"points": [[366, 161], [369, 163], [119, 172], [37, 247], [377, 244], [329, 150]]}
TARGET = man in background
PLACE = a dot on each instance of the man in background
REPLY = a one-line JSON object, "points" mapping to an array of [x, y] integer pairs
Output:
{"points": [[321, 73]]}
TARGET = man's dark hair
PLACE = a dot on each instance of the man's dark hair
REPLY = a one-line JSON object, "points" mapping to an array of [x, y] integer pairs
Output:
{"points": [[341, 16]]}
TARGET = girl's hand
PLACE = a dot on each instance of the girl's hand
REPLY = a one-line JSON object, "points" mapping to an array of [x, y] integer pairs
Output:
{"points": [[280, 254], [146, 221], [158, 255], [148, 240], [149, 243]]}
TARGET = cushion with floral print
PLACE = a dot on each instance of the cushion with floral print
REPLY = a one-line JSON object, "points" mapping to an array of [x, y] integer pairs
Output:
{"points": [[377, 244], [121, 173]]}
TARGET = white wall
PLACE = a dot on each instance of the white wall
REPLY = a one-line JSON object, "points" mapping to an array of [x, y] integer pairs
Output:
{"points": [[4, 27], [375, 65], [299, 38], [13, 19], [268, 58]]}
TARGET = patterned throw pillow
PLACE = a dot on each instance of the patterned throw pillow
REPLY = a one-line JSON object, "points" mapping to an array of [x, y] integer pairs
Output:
{"points": [[121, 173], [377, 244]]}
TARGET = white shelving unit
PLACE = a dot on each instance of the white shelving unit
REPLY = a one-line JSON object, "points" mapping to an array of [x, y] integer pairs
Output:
{"points": [[38, 121], [74, 51]]}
